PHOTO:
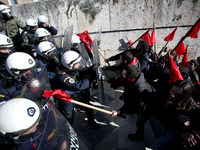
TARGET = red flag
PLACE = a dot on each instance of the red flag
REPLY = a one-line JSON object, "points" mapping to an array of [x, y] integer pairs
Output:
{"points": [[194, 32], [130, 42], [147, 38], [175, 74], [57, 93], [180, 50], [153, 38], [170, 36], [184, 61], [85, 38]]}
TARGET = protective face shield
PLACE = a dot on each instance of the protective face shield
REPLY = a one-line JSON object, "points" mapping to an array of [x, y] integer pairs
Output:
{"points": [[70, 59], [24, 117], [31, 25], [41, 20], [5, 11], [42, 34], [47, 50], [75, 41], [21, 66]]}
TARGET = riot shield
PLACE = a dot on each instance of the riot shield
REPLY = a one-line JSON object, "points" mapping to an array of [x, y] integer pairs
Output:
{"points": [[95, 44], [35, 88], [81, 48], [86, 59], [67, 39], [53, 132], [58, 133], [1, 22]]}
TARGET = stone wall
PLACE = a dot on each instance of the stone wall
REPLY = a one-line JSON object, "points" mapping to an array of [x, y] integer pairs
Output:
{"points": [[118, 19]]}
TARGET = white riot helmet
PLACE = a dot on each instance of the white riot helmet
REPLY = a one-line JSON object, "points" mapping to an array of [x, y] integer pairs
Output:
{"points": [[75, 41], [42, 34], [42, 19], [6, 43], [6, 48], [5, 11], [21, 66], [47, 50], [70, 58], [31, 25], [18, 116]]}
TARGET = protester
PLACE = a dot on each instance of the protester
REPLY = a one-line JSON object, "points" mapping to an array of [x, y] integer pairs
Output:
{"points": [[135, 84], [193, 64], [170, 106], [124, 58]]}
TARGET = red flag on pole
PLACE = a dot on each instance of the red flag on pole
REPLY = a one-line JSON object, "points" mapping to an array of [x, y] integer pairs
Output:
{"points": [[194, 32], [130, 42], [85, 38], [85, 35], [170, 36], [153, 38], [175, 74], [184, 61], [180, 50], [57, 93], [147, 38]]}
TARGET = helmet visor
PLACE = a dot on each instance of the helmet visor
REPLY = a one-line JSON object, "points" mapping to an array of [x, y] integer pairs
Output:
{"points": [[51, 54], [25, 75], [45, 38], [29, 74]]}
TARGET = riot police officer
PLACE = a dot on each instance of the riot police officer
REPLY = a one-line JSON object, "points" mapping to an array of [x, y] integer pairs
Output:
{"points": [[11, 26], [41, 34], [20, 68], [71, 79], [43, 23], [25, 126], [49, 57], [6, 47], [28, 35]]}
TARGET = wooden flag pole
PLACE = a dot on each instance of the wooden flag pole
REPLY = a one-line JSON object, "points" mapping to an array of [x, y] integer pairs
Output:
{"points": [[160, 53], [103, 56], [186, 35], [92, 107], [136, 40], [95, 108]]}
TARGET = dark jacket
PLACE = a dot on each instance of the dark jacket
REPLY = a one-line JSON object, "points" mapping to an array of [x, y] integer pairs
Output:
{"points": [[132, 94], [10, 89]]}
